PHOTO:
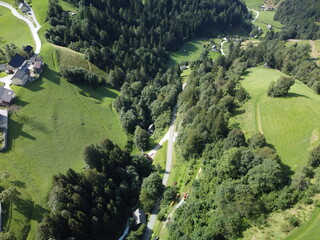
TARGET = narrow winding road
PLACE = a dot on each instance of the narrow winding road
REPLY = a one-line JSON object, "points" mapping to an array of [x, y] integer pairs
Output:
{"points": [[33, 29], [257, 14], [221, 47]]}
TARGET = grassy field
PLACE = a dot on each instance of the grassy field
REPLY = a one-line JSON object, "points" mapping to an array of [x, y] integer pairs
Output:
{"points": [[254, 4], [191, 51], [13, 30], [47, 135], [294, 129], [265, 18], [310, 230], [161, 158]]}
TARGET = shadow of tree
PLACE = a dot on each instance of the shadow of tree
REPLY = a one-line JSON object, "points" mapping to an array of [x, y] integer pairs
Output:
{"points": [[19, 184], [30, 210]]}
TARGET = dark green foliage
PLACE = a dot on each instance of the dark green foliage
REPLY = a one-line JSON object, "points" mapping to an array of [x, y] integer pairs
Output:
{"points": [[169, 194], [129, 40], [300, 18], [151, 190], [281, 87], [314, 158], [82, 76], [97, 201], [136, 235], [235, 139], [257, 141], [141, 138]]}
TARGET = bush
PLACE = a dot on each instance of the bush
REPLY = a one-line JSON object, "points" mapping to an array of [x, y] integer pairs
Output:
{"points": [[281, 88], [294, 221]]}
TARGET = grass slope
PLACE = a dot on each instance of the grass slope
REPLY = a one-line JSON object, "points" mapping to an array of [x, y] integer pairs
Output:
{"points": [[291, 124], [254, 4], [46, 137], [13, 30], [190, 51], [310, 230]]}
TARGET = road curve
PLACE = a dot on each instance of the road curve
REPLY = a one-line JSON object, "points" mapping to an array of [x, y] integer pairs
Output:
{"points": [[33, 29], [257, 14], [221, 48]]}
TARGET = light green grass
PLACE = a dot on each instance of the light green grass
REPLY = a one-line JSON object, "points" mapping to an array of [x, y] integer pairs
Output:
{"points": [[309, 230], [46, 137], [190, 51], [40, 8], [13, 30], [161, 158], [291, 124], [254, 4], [265, 18], [297, 41]]}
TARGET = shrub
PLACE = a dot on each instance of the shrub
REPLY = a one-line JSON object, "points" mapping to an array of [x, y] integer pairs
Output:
{"points": [[281, 87]]}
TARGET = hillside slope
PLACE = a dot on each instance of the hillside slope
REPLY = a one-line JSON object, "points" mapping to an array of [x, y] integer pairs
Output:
{"points": [[291, 124]]}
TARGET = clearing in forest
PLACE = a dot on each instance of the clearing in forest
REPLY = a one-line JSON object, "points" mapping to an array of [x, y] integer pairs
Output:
{"points": [[291, 124]]}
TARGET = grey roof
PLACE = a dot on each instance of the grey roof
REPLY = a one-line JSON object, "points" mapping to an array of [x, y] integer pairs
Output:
{"points": [[2, 67], [6, 95], [139, 216], [20, 77]]}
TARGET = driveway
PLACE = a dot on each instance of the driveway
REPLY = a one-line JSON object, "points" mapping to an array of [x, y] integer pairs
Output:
{"points": [[33, 29]]}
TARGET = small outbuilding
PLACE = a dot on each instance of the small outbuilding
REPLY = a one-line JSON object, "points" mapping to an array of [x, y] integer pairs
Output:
{"points": [[21, 77], [29, 51], [23, 7], [183, 67], [151, 129], [139, 216], [14, 63], [269, 26], [6, 95]]}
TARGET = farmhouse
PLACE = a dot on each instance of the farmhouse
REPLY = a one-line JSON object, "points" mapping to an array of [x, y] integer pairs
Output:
{"points": [[29, 51], [23, 7], [14, 63], [139, 216], [6, 95], [183, 67], [21, 77]]}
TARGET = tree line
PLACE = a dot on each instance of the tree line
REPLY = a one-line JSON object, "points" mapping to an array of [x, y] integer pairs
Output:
{"points": [[301, 19], [130, 40], [97, 201], [243, 180]]}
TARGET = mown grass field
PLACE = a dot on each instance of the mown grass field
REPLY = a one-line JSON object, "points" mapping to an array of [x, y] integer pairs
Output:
{"points": [[191, 51], [309, 230], [265, 18], [161, 158], [254, 4], [47, 135], [290, 124], [13, 30]]}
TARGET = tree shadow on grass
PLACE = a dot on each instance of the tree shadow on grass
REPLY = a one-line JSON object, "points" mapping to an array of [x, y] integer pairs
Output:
{"points": [[18, 101], [15, 131], [30, 210], [292, 95], [98, 93], [19, 184], [50, 75]]}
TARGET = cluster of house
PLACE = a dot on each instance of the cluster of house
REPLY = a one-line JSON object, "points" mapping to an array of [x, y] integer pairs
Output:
{"points": [[24, 69], [267, 8]]}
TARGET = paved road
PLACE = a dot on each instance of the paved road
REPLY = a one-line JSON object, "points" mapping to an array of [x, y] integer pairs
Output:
{"points": [[257, 14], [221, 47], [33, 29]]}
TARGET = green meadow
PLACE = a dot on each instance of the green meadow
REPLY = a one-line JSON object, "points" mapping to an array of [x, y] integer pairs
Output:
{"points": [[191, 51], [290, 124], [47, 134], [309, 230], [254, 4], [13, 30]]}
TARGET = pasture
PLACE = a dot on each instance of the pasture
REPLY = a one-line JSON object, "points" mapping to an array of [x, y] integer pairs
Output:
{"points": [[13, 30], [47, 135], [191, 51], [290, 124]]}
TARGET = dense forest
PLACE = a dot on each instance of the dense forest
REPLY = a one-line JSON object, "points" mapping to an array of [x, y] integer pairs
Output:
{"points": [[129, 40], [301, 18], [243, 180], [97, 201]]}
